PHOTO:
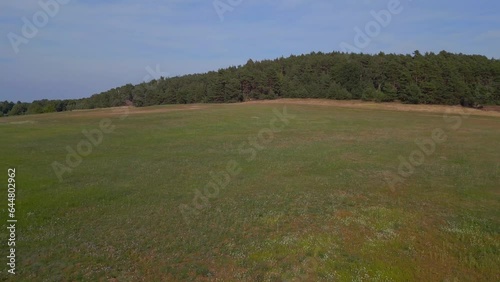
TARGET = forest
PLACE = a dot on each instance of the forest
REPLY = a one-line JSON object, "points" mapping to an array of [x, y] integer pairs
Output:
{"points": [[444, 78]]}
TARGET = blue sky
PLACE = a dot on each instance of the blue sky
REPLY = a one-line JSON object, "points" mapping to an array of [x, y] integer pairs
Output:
{"points": [[89, 46]]}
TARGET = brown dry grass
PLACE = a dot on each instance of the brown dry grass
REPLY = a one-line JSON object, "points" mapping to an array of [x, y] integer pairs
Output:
{"points": [[393, 106], [121, 112], [354, 104], [125, 110], [492, 108]]}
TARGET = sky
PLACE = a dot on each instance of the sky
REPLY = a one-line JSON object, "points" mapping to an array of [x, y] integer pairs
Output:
{"points": [[64, 49]]}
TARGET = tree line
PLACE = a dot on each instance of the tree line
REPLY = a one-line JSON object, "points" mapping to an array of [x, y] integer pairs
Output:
{"points": [[443, 78]]}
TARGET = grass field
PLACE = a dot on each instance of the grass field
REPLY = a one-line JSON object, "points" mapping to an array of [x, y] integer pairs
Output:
{"points": [[303, 197]]}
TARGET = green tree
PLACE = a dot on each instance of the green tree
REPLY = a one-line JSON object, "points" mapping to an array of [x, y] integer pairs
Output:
{"points": [[35, 108], [18, 109]]}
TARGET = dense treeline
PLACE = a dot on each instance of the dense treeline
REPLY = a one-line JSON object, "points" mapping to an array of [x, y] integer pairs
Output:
{"points": [[444, 78]]}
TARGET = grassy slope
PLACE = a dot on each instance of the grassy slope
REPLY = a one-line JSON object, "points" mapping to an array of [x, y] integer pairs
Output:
{"points": [[312, 205]]}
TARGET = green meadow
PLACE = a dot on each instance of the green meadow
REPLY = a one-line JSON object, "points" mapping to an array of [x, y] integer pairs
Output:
{"points": [[252, 192]]}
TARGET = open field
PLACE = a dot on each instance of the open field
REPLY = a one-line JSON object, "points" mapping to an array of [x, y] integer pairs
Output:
{"points": [[255, 192]]}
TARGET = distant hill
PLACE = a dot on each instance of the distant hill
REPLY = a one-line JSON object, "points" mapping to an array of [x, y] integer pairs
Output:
{"points": [[444, 78]]}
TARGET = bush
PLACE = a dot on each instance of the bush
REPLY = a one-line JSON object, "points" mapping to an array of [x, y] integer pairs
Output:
{"points": [[338, 92]]}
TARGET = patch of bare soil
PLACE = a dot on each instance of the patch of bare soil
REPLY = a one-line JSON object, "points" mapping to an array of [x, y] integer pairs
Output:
{"points": [[393, 106]]}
